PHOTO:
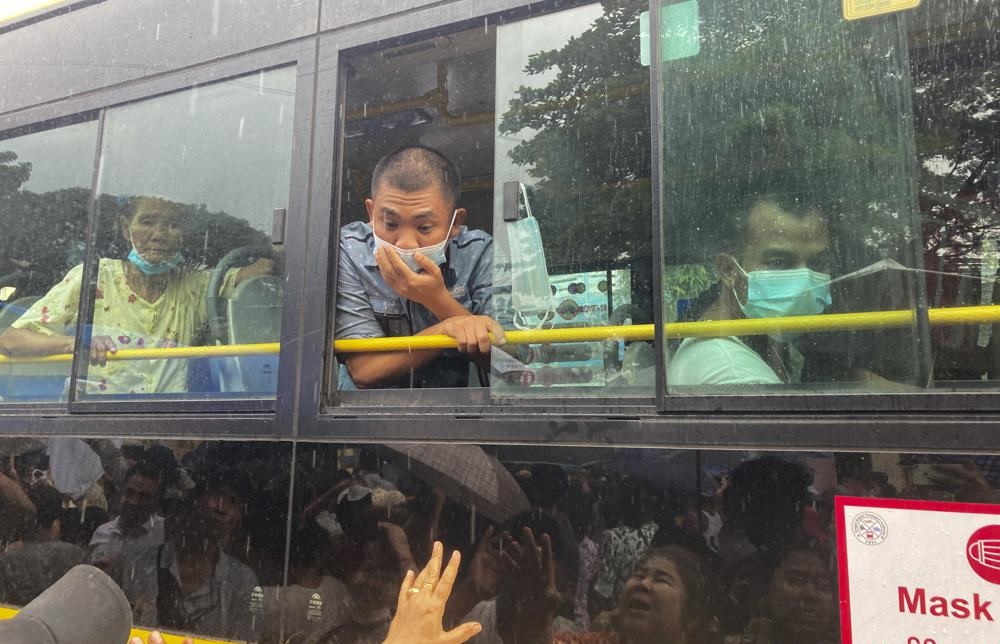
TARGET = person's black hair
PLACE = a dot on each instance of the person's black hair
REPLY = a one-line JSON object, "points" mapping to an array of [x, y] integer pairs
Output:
{"points": [[78, 526], [637, 502], [357, 519], [852, 465], [48, 504], [368, 460], [159, 457], [580, 509], [415, 168], [144, 469], [551, 484], [767, 497], [32, 460], [735, 232], [183, 486], [769, 562], [227, 478]]}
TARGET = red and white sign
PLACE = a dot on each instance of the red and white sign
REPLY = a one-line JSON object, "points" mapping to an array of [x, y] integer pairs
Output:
{"points": [[918, 572]]}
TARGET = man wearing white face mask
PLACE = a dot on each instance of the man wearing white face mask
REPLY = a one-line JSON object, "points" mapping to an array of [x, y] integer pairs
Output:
{"points": [[781, 269], [414, 269]]}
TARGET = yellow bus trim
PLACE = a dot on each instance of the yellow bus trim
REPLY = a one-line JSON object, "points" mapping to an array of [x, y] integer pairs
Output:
{"points": [[169, 638]]}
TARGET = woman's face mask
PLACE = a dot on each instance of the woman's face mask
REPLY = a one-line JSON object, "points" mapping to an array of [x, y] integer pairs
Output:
{"points": [[784, 293], [153, 268], [435, 252], [157, 230]]}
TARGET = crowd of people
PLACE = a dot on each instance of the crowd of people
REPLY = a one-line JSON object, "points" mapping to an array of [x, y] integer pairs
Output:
{"points": [[252, 542]]}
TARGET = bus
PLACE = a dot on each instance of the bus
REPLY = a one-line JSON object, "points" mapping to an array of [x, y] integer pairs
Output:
{"points": [[707, 294]]}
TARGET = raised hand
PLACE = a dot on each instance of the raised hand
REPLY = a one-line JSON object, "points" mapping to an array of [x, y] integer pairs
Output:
{"points": [[528, 596], [420, 607], [423, 288]]}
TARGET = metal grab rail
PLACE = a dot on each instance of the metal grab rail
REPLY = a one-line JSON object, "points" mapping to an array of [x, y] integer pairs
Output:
{"points": [[219, 351], [989, 314], [7, 612], [706, 329]]}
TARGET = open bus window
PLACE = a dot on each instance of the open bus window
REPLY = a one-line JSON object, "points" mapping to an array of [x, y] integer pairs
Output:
{"points": [[553, 228], [45, 180], [804, 249], [188, 186]]}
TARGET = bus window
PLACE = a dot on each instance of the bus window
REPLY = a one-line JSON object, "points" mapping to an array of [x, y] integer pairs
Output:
{"points": [[188, 188], [189, 529], [829, 197], [572, 163], [567, 154], [45, 180], [678, 545], [957, 125]]}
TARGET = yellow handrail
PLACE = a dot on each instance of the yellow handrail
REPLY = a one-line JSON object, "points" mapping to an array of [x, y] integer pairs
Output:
{"points": [[220, 351], [989, 314], [707, 329], [143, 634]]}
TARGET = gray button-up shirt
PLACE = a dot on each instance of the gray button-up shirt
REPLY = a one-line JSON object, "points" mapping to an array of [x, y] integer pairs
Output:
{"points": [[221, 608], [368, 308]]}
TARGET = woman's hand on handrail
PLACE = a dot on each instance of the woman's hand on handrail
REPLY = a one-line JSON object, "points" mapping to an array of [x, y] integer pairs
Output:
{"points": [[421, 604]]}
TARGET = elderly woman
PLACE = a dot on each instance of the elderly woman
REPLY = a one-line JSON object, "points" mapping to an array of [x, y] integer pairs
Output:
{"points": [[670, 598], [151, 299]]}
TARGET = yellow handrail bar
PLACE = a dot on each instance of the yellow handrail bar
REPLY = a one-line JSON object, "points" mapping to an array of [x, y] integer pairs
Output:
{"points": [[989, 314], [143, 634], [222, 351], [706, 329]]}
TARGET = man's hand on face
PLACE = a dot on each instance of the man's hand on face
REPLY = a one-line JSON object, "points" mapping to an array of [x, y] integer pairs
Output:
{"points": [[426, 288], [472, 332]]}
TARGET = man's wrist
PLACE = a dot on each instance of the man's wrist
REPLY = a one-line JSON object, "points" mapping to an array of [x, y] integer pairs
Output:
{"points": [[444, 306]]}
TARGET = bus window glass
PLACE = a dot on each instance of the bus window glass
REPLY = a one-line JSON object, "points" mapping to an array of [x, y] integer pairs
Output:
{"points": [[572, 202], [195, 533], [489, 107], [829, 196], [956, 81], [653, 545], [45, 180], [189, 529], [189, 183]]}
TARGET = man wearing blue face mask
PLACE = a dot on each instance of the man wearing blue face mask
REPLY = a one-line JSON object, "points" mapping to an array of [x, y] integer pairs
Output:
{"points": [[414, 269], [780, 269]]}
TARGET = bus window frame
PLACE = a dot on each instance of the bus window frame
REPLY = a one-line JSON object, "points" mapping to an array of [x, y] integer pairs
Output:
{"points": [[475, 402], [301, 55]]}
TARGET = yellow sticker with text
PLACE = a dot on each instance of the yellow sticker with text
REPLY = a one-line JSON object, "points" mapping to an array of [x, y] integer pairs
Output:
{"points": [[857, 9]]}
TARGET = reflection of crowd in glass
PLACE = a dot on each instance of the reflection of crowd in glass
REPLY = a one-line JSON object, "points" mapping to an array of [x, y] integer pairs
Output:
{"points": [[198, 538]]}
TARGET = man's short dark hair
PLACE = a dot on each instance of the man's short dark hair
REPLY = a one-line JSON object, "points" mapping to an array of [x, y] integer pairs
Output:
{"points": [[144, 469], [736, 230], [415, 168], [48, 504]]}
